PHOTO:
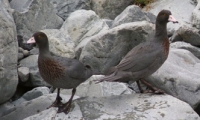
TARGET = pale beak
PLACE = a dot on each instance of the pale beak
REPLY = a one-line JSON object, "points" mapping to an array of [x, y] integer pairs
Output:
{"points": [[31, 40], [172, 19]]}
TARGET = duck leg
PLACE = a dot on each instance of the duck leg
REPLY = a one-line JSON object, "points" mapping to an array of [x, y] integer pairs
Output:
{"points": [[57, 102], [139, 86], [66, 107], [154, 89]]}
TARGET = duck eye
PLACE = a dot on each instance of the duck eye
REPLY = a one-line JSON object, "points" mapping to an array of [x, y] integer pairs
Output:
{"points": [[164, 14], [39, 36]]}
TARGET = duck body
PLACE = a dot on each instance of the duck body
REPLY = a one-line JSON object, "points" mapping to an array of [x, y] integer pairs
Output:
{"points": [[146, 58], [63, 72]]}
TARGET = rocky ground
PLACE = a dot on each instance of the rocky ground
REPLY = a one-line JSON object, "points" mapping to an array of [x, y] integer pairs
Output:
{"points": [[98, 33]]}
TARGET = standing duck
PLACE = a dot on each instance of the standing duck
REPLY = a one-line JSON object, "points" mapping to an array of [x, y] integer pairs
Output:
{"points": [[146, 58], [60, 72]]}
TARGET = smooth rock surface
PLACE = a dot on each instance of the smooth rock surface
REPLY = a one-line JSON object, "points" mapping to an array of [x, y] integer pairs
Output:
{"points": [[106, 49], [124, 107], [133, 13], [23, 73], [179, 76], [109, 8], [187, 34], [82, 24], [36, 15], [8, 53]]}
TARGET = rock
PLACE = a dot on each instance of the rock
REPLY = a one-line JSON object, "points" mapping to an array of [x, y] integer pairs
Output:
{"points": [[30, 95], [8, 53], [108, 22], [35, 79], [187, 34], [20, 56], [32, 11], [125, 107], [181, 10], [23, 45], [109, 8], [179, 76], [65, 7], [34, 51], [104, 89], [28, 108], [60, 43], [187, 46], [23, 73], [196, 16], [82, 24], [106, 49], [133, 13]]}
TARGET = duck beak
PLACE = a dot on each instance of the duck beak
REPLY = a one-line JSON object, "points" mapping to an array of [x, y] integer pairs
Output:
{"points": [[31, 40], [172, 19]]}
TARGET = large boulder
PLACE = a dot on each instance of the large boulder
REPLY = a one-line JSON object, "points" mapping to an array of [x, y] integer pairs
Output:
{"points": [[34, 15], [179, 76], [123, 107], [82, 24], [133, 13], [8, 53], [109, 8], [181, 10], [107, 48], [65, 7], [187, 34]]}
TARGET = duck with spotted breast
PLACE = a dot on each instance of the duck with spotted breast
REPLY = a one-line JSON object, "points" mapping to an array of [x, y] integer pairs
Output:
{"points": [[146, 58], [60, 72]]}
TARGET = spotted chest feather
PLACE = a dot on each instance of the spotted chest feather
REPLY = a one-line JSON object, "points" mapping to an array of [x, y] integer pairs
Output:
{"points": [[50, 70]]}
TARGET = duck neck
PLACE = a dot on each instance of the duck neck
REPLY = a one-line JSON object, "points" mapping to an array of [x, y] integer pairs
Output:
{"points": [[161, 30], [44, 51]]}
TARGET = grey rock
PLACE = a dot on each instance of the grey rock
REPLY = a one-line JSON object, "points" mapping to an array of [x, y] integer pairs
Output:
{"points": [[25, 53], [187, 46], [65, 7], [23, 73], [82, 24], [28, 108], [20, 56], [108, 22], [179, 76], [187, 34], [104, 89], [124, 107], [30, 95], [196, 16], [32, 11], [8, 53], [109, 9], [35, 79], [106, 49], [133, 13], [34, 51], [181, 10]]}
